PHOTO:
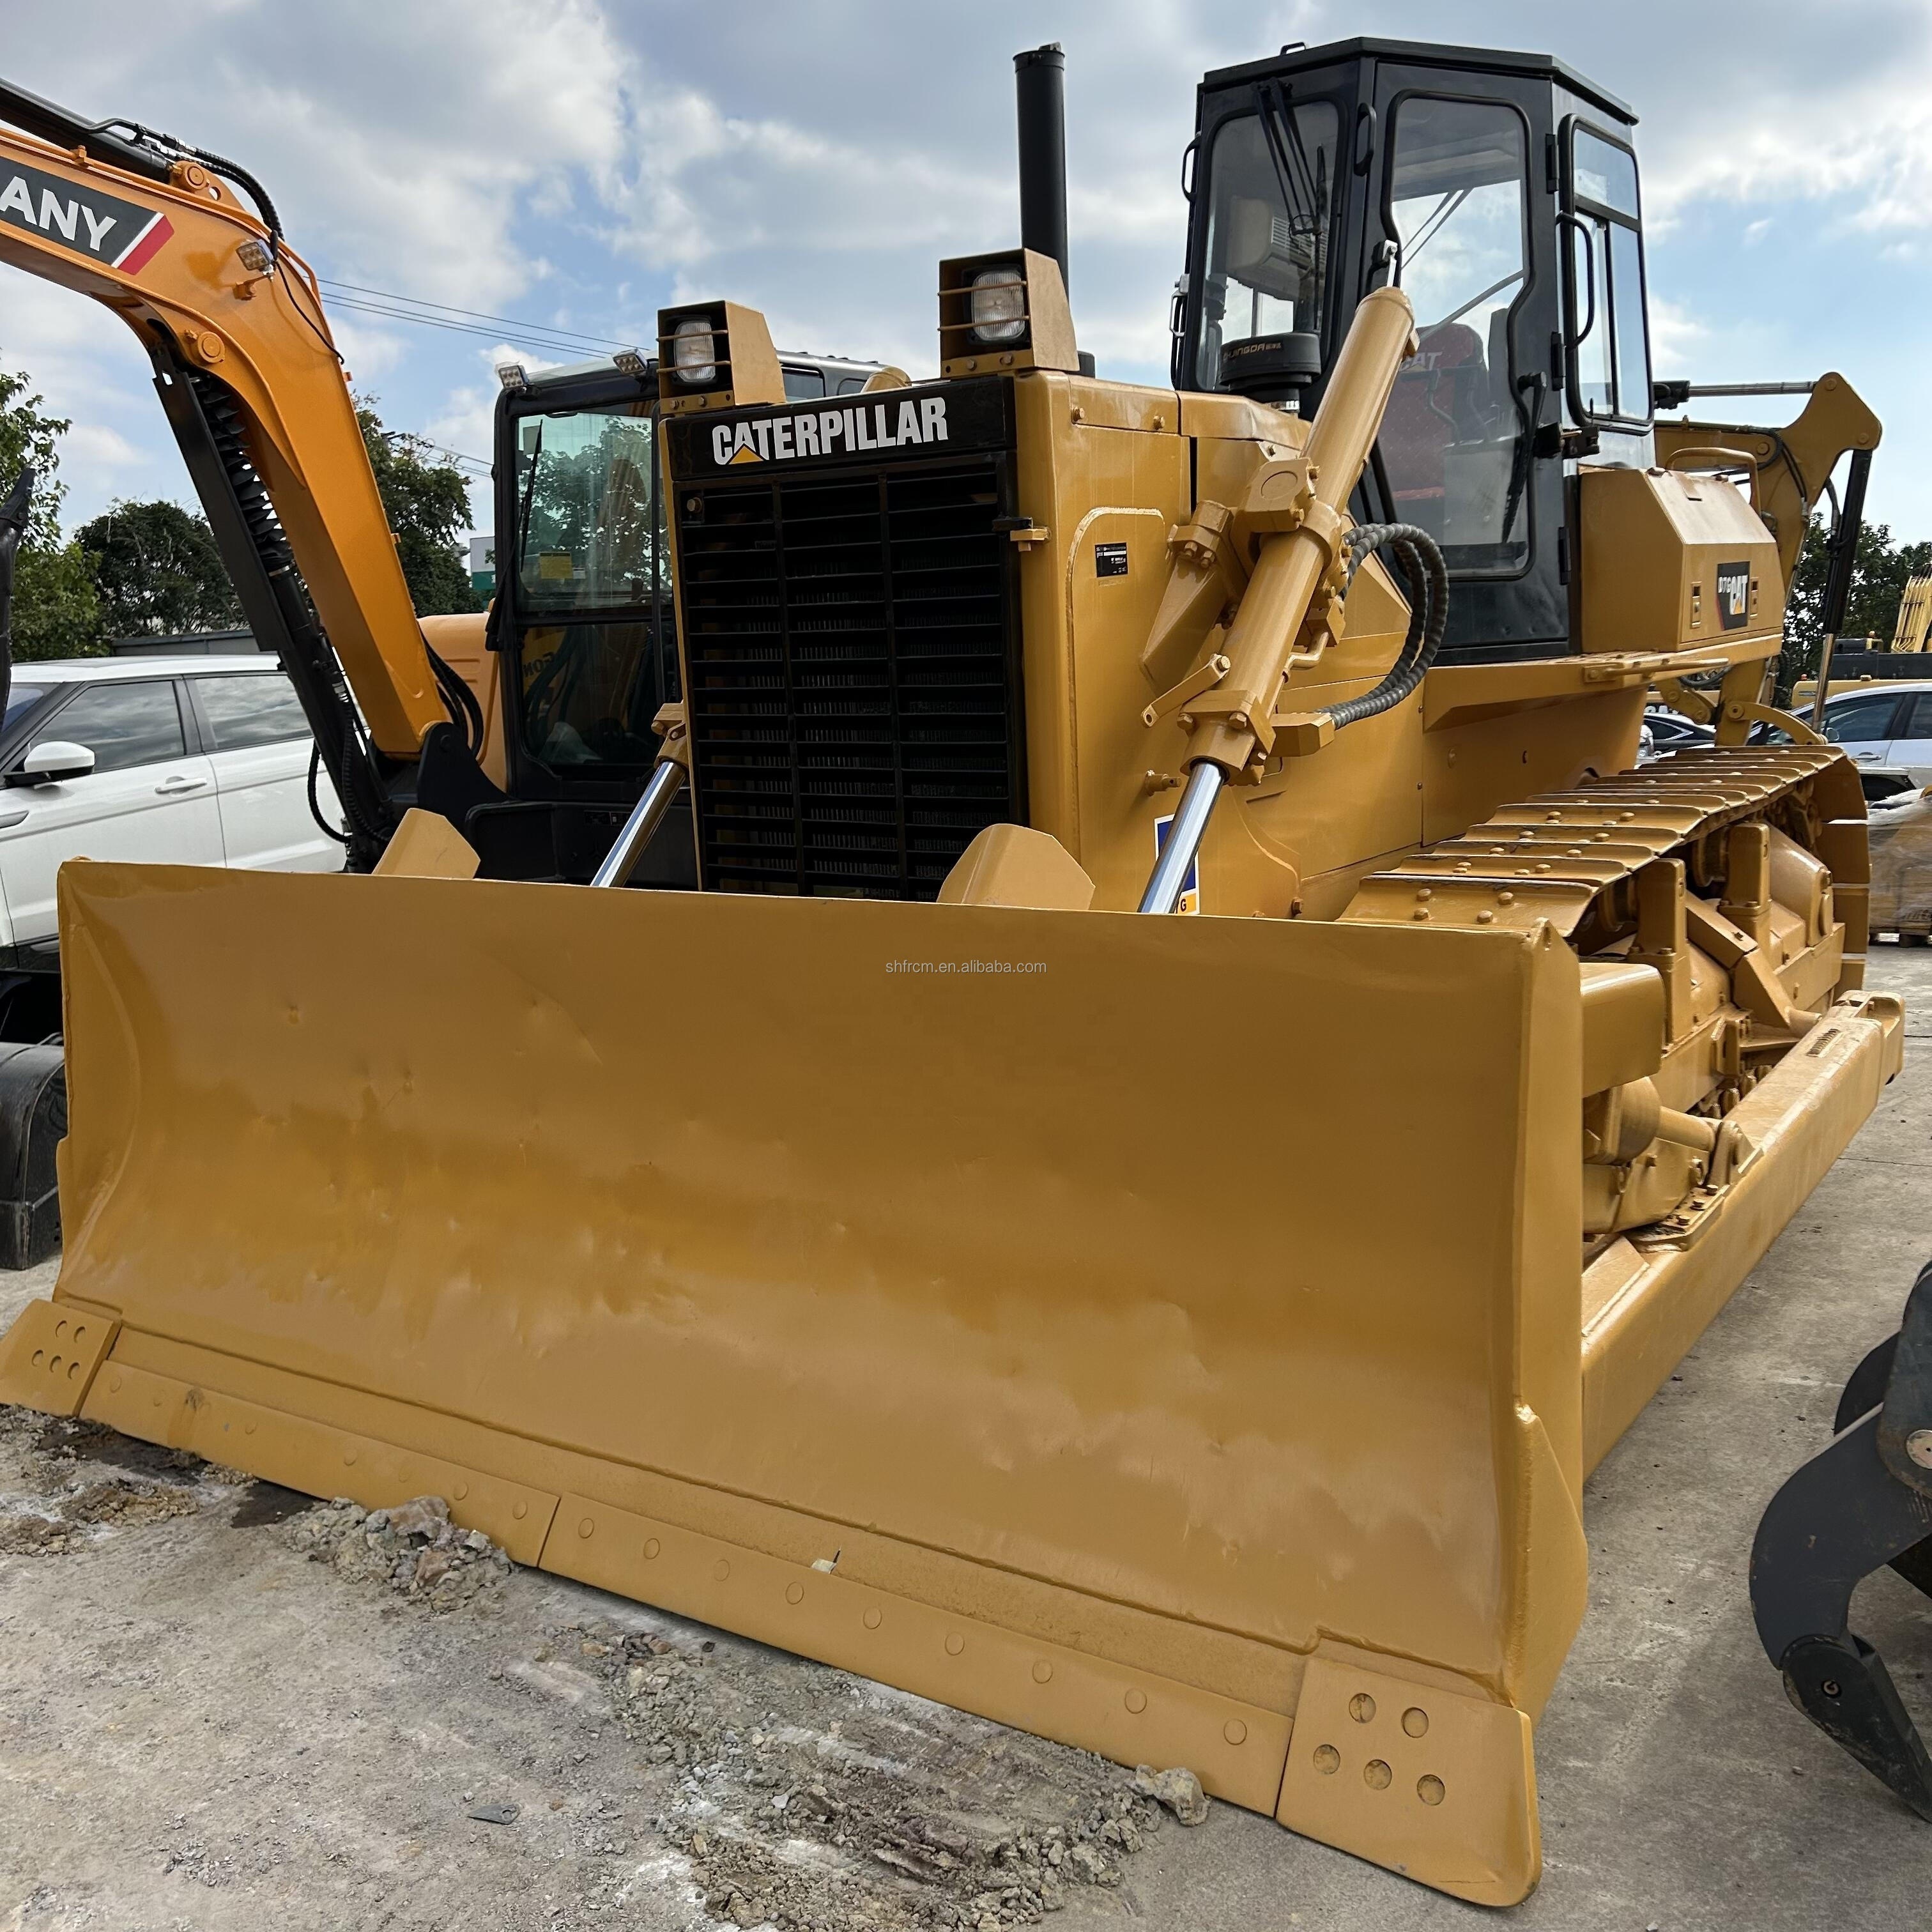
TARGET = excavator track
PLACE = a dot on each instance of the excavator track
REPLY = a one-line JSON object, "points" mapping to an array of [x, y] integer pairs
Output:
{"points": [[1571, 857]]}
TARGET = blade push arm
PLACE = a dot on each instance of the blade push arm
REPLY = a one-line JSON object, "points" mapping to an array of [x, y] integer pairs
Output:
{"points": [[233, 322]]}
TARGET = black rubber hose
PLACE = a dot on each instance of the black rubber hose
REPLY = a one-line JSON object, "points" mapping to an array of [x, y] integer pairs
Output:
{"points": [[233, 170], [1420, 559], [464, 711], [314, 798]]}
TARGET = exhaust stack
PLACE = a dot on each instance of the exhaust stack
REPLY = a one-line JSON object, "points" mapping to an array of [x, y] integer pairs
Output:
{"points": [[1040, 80]]}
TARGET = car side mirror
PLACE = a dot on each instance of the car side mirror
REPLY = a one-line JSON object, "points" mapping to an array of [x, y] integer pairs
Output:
{"points": [[52, 761]]}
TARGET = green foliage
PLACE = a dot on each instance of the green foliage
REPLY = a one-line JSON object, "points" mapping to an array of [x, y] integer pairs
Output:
{"points": [[1880, 569], [159, 571], [56, 609], [427, 501]]}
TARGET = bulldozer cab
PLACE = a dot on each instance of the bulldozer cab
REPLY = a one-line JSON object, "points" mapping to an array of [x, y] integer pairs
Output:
{"points": [[1500, 192]]}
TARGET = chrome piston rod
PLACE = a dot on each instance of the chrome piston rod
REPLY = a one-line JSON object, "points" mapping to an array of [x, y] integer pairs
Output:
{"points": [[647, 815], [1183, 839]]}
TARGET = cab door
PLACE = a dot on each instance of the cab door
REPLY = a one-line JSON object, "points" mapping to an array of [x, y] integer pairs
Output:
{"points": [[1469, 448], [148, 798]]}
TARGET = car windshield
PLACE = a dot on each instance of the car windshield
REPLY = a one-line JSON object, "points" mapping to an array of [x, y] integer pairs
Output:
{"points": [[585, 539], [21, 699]]}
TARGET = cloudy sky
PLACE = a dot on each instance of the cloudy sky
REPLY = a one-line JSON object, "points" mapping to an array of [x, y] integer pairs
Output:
{"points": [[574, 163]]}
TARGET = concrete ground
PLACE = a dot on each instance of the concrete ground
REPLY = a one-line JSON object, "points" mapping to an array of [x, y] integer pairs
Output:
{"points": [[200, 1729]]}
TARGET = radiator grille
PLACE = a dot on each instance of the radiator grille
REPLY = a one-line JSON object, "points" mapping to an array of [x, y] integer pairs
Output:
{"points": [[853, 686]]}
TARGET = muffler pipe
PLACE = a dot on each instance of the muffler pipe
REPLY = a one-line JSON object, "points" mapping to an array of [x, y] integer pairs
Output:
{"points": [[647, 815], [1040, 79]]}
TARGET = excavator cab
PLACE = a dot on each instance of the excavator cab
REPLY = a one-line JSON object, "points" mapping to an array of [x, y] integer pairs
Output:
{"points": [[583, 630], [1500, 192]]}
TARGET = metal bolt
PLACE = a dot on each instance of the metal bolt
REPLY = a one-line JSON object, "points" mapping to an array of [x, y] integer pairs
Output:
{"points": [[1919, 1447]]}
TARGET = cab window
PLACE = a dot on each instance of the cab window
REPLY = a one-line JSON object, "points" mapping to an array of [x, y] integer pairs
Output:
{"points": [[1270, 228], [1608, 344], [584, 510], [1455, 439]]}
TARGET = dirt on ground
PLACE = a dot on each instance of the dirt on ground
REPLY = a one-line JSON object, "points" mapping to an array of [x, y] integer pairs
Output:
{"points": [[221, 1700]]}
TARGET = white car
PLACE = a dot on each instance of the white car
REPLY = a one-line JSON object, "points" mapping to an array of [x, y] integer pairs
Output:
{"points": [[1884, 724], [183, 761]]}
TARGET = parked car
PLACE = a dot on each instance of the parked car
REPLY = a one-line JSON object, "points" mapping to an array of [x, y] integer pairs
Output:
{"points": [[188, 760], [1888, 724], [1665, 731]]}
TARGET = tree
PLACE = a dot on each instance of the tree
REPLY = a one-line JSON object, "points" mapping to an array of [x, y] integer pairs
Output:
{"points": [[159, 571], [56, 608], [1880, 570], [427, 500]]}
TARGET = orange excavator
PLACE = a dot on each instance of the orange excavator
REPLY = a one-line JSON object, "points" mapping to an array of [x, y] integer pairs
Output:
{"points": [[405, 712], [255, 393]]}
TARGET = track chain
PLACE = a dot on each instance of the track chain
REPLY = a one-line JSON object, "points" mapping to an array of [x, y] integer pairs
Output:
{"points": [[1566, 856]]}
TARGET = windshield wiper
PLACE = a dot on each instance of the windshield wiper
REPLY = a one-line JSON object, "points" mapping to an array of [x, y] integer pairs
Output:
{"points": [[1285, 148], [529, 497]]}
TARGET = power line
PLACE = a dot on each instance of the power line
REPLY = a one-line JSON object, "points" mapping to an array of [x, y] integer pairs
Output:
{"points": [[530, 337], [441, 448], [436, 315]]}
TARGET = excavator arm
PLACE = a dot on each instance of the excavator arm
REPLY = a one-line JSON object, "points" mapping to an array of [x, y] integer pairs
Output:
{"points": [[258, 401]]}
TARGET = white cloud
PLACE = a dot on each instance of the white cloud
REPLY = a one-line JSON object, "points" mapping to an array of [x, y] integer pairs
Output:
{"points": [[1677, 337], [584, 163]]}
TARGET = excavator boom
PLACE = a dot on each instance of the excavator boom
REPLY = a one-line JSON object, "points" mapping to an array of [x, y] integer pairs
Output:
{"points": [[257, 396]]}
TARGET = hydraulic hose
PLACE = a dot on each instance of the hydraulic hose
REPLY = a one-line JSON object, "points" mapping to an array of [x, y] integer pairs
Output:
{"points": [[461, 702], [314, 797], [1420, 558]]}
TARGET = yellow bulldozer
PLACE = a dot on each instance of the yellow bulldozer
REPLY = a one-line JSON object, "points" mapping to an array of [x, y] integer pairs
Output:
{"points": [[1199, 1090]]}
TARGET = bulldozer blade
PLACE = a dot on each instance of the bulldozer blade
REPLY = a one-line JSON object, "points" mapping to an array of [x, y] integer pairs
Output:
{"points": [[1164, 1335]]}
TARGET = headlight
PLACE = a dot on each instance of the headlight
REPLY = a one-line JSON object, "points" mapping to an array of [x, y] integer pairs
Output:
{"points": [[996, 304], [694, 352]]}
